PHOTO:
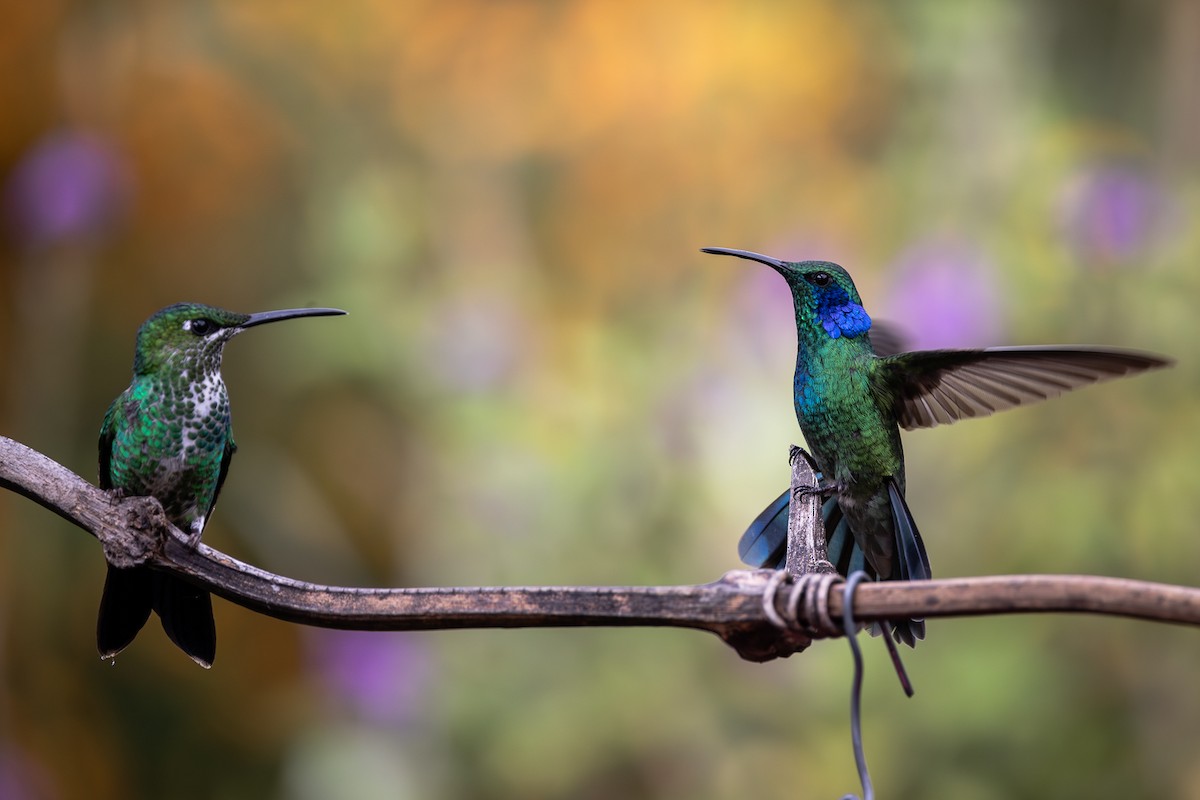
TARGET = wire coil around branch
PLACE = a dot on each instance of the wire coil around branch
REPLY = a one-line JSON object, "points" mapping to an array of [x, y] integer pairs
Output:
{"points": [[806, 605]]}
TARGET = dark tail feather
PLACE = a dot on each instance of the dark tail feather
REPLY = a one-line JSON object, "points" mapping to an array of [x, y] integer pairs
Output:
{"points": [[130, 594], [912, 560], [841, 547], [124, 608], [187, 618], [764, 544]]}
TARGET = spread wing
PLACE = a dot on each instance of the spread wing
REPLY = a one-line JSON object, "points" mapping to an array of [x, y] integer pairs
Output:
{"points": [[886, 339], [940, 386]]}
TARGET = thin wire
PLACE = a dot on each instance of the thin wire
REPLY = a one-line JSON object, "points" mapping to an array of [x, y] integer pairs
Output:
{"points": [[768, 598], [851, 630]]}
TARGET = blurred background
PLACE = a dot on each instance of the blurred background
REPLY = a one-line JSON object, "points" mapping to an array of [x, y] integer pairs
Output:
{"points": [[542, 380]]}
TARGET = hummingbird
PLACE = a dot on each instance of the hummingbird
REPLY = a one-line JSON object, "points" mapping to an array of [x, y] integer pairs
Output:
{"points": [[168, 436], [852, 398]]}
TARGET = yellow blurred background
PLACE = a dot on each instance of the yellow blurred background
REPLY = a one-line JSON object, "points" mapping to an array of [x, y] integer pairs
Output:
{"points": [[542, 381]]}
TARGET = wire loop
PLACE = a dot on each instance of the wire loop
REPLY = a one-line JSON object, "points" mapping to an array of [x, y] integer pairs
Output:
{"points": [[806, 608]]}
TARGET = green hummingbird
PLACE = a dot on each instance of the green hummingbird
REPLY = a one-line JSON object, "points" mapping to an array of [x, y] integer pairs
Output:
{"points": [[169, 436], [852, 400]]}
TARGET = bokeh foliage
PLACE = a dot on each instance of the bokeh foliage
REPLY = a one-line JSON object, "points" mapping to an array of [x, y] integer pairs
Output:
{"points": [[543, 381]]}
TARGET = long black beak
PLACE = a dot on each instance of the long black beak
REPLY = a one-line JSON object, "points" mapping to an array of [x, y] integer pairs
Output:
{"points": [[264, 317], [774, 263]]}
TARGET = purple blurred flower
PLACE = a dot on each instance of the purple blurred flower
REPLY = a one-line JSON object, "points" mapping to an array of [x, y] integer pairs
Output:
{"points": [[944, 294], [381, 677], [1110, 212], [21, 778], [762, 310], [69, 185]]}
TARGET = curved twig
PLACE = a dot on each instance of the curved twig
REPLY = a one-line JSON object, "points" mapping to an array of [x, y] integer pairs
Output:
{"points": [[134, 531]]}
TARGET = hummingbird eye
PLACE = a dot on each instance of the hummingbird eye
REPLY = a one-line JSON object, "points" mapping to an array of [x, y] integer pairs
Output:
{"points": [[820, 278], [200, 327]]}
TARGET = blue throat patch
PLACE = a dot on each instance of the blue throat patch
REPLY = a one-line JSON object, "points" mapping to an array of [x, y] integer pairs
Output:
{"points": [[841, 316]]}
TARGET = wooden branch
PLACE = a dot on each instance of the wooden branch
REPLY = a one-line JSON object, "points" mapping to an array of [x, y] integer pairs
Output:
{"points": [[761, 613], [807, 548]]}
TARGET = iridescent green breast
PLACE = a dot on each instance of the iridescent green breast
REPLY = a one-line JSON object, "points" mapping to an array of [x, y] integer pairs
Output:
{"points": [[168, 440], [844, 421]]}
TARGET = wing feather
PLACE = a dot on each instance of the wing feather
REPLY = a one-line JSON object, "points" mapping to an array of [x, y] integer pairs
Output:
{"points": [[226, 457], [108, 434], [937, 387]]}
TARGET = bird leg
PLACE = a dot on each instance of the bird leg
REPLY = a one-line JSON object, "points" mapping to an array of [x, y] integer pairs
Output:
{"points": [[795, 453], [819, 487], [194, 532], [822, 490]]}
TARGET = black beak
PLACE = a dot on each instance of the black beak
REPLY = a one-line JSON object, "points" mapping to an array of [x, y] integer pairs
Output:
{"points": [[289, 313], [774, 263]]}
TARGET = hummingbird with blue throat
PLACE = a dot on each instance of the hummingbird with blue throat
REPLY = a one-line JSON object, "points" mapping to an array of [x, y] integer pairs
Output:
{"points": [[852, 399], [168, 436]]}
